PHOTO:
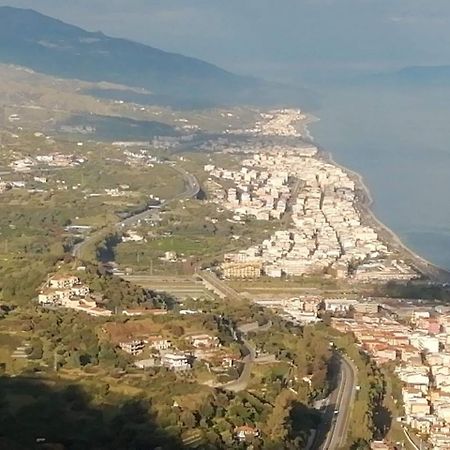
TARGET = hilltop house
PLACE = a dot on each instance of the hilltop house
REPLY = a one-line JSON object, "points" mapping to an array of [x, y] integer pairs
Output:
{"points": [[175, 361], [63, 281], [158, 342], [203, 341], [133, 347], [246, 432]]}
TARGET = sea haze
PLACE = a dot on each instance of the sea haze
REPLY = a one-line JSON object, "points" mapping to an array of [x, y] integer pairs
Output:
{"points": [[398, 138]]}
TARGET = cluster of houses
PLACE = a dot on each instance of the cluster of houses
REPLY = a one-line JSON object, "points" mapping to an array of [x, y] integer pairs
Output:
{"points": [[280, 122], [420, 349], [120, 190], [303, 310], [66, 291], [162, 352], [139, 157], [255, 193], [139, 152], [326, 233], [132, 236], [307, 309], [55, 159], [21, 184], [167, 356]]}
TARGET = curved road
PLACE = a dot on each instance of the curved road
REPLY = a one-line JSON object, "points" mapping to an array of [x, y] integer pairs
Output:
{"points": [[416, 442], [332, 433], [241, 383], [192, 189]]}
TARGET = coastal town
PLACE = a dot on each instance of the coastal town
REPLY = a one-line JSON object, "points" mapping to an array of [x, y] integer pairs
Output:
{"points": [[304, 216], [409, 337], [325, 233], [193, 253], [412, 336], [415, 339]]}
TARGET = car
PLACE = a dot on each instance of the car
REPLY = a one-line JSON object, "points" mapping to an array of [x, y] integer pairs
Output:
{"points": [[336, 411]]}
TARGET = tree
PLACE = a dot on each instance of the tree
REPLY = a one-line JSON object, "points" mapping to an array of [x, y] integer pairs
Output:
{"points": [[222, 400], [206, 410], [177, 330], [107, 355], [213, 438], [278, 424], [360, 444], [103, 389], [37, 350], [188, 419], [239, 411], [74, 359]]}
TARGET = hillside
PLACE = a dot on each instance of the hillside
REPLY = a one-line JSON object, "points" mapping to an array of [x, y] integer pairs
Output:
{"points": [[49, 46]]}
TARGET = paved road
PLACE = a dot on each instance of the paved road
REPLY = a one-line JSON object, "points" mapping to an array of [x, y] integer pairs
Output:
{"points": [[332, 434], [415, 442], [191, 190], [242, 382], [220, 287]]}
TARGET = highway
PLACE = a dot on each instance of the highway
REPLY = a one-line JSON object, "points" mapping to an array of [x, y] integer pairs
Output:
{"points": [[191, 190], [217, 285], [332, 433]]}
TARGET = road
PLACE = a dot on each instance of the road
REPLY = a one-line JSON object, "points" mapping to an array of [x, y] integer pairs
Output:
{"points": [[415, 442], [217, 285], [242, 382], [249, 359], [332, 434], [191, 190]]}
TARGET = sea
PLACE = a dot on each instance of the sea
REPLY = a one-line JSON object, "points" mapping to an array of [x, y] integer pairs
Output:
{"points": [[398, 139]]}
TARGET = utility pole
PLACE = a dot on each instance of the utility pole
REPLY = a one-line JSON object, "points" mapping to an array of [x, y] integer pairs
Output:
{"points": [[55, 361], [3, 123]]}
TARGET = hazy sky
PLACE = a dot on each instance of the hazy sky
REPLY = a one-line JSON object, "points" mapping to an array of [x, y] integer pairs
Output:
{"points": [[278, 39]]}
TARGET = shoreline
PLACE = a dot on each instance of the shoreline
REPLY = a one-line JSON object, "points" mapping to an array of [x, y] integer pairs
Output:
{"points": [[364, 206]]}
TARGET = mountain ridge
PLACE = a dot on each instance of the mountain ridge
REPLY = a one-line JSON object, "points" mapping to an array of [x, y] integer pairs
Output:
{"points": [[47, 45]]}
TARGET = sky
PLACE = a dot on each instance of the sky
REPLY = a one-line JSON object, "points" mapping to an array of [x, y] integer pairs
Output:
{"points": [[284, 40]]}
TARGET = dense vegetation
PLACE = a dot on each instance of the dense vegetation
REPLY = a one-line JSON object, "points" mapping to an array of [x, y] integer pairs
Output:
{"points": [[369, 419], [74, 366], [33, 220], [413, 290], [73, 385]]}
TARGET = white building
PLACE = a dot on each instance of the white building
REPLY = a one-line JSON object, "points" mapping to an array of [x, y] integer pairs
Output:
{"points": [[175, 361]]}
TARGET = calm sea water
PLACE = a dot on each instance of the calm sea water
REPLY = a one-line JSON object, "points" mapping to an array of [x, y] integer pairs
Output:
{"points": [[399, 140]]}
